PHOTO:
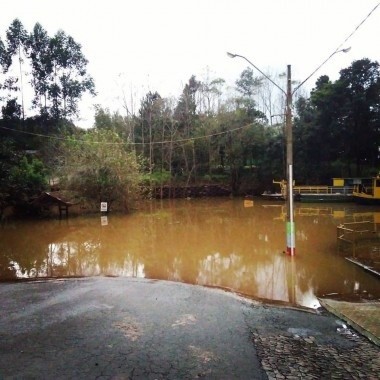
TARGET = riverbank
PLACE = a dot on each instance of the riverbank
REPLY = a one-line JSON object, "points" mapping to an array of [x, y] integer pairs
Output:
{"points": [[124, 328]]}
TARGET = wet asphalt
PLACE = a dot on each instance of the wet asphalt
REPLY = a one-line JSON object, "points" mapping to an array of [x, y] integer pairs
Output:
{"points": [[124, 328]]}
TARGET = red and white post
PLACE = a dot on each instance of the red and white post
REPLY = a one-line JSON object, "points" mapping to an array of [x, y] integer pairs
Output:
{"points": [[290, 226]]}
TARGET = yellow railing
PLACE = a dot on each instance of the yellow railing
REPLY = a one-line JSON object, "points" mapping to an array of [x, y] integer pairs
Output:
{"points": [[311, 189], [322, 190], [316, 189]]}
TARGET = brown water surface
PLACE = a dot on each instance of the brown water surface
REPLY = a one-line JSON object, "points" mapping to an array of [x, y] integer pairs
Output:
{"points": [[230, 243]]}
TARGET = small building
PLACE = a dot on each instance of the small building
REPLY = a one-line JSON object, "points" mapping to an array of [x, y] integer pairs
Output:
{"points": [[47, 199]]}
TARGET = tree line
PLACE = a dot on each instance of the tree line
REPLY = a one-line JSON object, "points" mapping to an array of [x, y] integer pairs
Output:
{"points": [[209, 134], [56, 71]]}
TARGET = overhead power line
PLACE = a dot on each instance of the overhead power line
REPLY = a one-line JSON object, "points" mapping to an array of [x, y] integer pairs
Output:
{"points": [[356, 29], [339, 48], [129, 142]]}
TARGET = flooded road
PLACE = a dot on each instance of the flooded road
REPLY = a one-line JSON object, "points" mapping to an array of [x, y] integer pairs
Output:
{"points": [[228, 243]]}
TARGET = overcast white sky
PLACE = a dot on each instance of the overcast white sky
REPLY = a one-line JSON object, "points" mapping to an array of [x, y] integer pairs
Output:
{"points": [[158, 44]]}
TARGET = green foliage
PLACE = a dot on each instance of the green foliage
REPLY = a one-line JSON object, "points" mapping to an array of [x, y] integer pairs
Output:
{"points": [[103, 118], [11, 110], [101, 168], [337, 131], [28, 178], [248, 84], [360, 87], [7, 160], [69, 76], [114, 122], [185, 111], [58, 69], [16, 37], [157, 178]]}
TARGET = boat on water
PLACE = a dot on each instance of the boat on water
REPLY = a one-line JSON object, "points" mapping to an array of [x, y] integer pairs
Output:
{"points": [[341, 190], [368, 192], [324, 197], [268, 195]]}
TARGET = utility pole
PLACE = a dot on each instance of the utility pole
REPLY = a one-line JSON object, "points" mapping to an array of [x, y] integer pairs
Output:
{"points": [[290, 227]]}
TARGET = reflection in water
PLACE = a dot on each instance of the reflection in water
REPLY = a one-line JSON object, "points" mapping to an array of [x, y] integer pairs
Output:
{"points": [[214, 242]]}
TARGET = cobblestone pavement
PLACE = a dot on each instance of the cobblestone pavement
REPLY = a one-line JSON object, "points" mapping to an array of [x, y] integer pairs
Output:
{"points": [[308, 351], [296, 357], [120, 328]]}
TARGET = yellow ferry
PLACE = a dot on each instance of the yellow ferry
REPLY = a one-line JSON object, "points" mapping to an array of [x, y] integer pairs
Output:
{"points": [[340, 191], [368, 192]]}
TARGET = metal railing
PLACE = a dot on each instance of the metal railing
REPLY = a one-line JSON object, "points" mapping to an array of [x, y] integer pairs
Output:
{"points": [[345, 190], [353, 231]]}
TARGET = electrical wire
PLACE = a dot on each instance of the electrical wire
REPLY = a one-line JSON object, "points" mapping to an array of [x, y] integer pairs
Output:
{"points": [[130, 143], [34, 134], [338, 48], [356, 29]]}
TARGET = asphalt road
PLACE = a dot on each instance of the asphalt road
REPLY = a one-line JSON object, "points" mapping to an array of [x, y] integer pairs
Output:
{"points": [[123, 328]]}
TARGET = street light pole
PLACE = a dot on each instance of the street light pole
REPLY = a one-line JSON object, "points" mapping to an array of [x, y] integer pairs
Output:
{"points": [[290, 227]]}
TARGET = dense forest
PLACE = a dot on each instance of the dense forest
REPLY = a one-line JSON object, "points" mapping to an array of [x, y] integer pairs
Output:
{"points": [[210, 134]]}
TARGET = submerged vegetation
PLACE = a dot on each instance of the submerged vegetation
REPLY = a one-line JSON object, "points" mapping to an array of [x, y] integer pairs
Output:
{"points": [[209, 135]]}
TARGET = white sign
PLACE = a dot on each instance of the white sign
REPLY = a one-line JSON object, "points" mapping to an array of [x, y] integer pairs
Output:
{"points": [[104, 220], [103, 206]]}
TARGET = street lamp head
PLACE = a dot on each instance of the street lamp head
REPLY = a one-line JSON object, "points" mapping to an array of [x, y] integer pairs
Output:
{"points": [[231, 55], [345, 50]]}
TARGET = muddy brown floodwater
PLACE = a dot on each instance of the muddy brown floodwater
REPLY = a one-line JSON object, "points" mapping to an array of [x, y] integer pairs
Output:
{"points": [[234, 244]]}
